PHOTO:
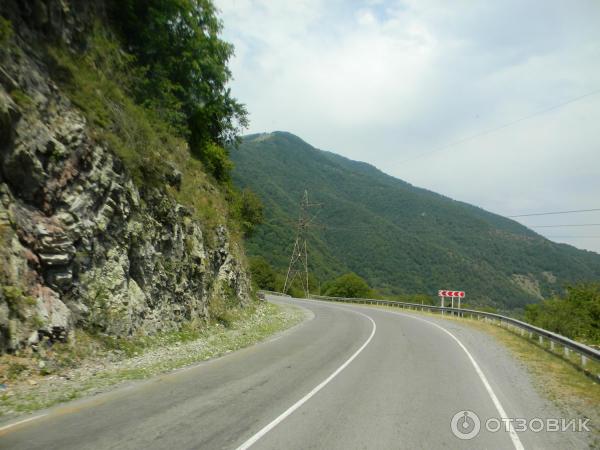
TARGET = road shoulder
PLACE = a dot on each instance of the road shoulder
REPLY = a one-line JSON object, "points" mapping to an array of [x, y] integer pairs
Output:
{"points": [[35, 392]]}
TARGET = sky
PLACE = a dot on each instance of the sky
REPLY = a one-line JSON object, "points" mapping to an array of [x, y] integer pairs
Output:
{"points": [[423, 89]]}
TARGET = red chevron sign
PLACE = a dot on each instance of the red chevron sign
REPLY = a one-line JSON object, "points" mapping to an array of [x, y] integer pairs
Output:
{"points": [[455, 294]]}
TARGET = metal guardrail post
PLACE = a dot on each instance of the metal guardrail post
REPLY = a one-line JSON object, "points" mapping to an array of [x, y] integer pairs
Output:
{"points": [[585, 352]]}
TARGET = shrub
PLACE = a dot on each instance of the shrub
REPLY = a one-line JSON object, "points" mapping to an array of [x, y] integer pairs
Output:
{"points": [[577, 315], [179, 44], [6, 30], [248, 210], [216, 161], [348, 285], [263, 274]]}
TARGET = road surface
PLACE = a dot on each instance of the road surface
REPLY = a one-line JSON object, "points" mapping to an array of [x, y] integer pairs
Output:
{"points": [[349, 377]]}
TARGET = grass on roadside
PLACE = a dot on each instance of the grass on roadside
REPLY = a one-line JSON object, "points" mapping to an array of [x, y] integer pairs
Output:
{"points": [[556, 377], [559, 378], [160, 355], [99, 82]]}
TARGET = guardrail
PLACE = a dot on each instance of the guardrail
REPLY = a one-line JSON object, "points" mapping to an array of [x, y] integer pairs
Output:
{"points": [[584, 352], [261, 294]]}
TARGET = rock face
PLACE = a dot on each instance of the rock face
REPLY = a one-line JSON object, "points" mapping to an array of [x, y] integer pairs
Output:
{"points": [[81, 245]]}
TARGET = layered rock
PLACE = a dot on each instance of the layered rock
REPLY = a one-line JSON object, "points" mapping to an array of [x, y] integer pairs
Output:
{"points": [[82, 245]]}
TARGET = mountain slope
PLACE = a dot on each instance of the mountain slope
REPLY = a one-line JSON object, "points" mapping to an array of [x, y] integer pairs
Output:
{"points": [[109, 226], [402, 239]]}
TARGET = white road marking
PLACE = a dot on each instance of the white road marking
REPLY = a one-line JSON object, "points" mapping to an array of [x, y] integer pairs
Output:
{"points": [[513, 434], [10, 425], [308, 396]]}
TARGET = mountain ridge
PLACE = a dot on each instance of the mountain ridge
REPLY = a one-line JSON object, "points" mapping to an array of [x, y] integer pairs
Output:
{"points": [[401, 238]]}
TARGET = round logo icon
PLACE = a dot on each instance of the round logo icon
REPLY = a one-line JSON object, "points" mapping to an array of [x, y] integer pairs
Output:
{"points": [[465, 425]]}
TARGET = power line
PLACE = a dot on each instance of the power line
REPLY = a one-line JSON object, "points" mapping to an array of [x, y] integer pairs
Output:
{"points": [[501, 127], [555, 212], [567, 225], [572, 237]]}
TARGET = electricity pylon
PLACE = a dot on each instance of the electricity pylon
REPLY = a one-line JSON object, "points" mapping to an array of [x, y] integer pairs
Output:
{"points": [[299, 258]]}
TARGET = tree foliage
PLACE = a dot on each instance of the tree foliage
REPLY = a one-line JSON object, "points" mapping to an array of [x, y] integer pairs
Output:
{"points": [[263, 274], [576, 315], [185, 72], [401, 239], [6, 30], [348, 285], [248, 210]]}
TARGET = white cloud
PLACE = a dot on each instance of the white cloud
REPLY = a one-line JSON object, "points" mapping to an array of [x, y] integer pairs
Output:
{"points": [[383, 81]]}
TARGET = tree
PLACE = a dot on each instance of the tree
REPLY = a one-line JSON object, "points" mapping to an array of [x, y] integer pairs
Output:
{"points": [[348, 285], [185, 68], [577, 315], [251, 211], [248, 209], [263, 274]]}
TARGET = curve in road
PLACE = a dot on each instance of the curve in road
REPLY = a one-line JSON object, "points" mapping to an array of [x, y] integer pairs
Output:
{"points": [[341, 380]]}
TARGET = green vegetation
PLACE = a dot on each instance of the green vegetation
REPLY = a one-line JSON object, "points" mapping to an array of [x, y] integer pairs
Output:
{"points": [[555, 377], [266, 277], [130, 359], [399, 238], [158, 120], [560, 378], [249, 210], [263, 275], [224, 308], [348, 285], [576, 315], [98, 83], [21, 98], [6, 30], [422, 299], [185, 72], [17, 300]]}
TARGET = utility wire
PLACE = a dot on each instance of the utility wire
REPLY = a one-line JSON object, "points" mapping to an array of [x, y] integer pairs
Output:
{"points": [[572, 237], [567, 225], [555, 212], [501, 127]]}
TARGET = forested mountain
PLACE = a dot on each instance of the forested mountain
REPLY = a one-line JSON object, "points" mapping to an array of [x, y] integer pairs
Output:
{"points": [[400, 238]]}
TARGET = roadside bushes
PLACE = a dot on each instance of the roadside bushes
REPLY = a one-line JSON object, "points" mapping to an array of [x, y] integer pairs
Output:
{"points": [[576, 315], [348, 285]]}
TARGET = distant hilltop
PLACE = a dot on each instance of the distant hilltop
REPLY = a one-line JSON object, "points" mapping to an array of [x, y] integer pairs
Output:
{"points": [[400, 238]]}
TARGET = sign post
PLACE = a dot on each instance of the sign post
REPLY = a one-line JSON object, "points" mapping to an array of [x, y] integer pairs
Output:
{"points": [[452, 294], [442, 295]]}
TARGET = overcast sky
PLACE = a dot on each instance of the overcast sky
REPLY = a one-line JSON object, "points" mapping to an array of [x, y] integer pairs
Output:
{"points": [[392, 82]]}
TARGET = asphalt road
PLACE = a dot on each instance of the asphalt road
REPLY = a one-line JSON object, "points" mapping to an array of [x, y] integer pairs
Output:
{"points": [[349, 377]]}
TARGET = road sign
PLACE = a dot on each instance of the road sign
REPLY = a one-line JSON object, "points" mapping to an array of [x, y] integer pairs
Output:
{"points": [[451, 294]]}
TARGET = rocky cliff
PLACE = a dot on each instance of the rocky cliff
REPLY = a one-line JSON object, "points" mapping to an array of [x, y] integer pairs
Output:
{"points": [[81, 243]]}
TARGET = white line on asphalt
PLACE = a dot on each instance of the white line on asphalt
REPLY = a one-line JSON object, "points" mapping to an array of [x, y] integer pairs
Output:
{"points": [[308, 396], [10, 425], [513, 434]]}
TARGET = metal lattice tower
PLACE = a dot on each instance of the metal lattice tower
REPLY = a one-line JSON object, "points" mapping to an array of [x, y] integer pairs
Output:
{"points": [[299, 258]]}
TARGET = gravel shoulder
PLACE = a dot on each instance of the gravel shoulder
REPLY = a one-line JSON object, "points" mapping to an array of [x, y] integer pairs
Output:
{"points": [[32, 390], [548, 385]]}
